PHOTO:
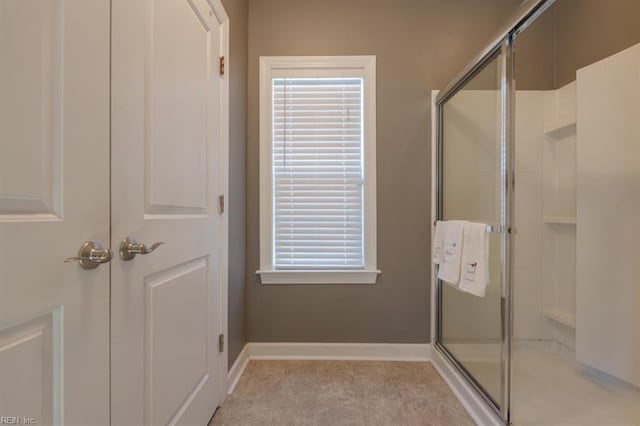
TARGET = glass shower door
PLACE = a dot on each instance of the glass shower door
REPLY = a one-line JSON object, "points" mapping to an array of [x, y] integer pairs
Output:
{"points": [[472, 187]]}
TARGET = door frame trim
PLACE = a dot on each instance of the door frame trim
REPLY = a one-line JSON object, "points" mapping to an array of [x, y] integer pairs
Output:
{"points": [[223, 248]]}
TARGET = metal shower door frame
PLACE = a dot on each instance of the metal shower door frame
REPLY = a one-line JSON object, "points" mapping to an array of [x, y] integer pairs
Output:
{"points": [[500, 52]]}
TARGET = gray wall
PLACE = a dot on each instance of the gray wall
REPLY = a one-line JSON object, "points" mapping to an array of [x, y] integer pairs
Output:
{"points": [[570, 35], [237, 66], [590, 30], [535, 66], [420, 45]]}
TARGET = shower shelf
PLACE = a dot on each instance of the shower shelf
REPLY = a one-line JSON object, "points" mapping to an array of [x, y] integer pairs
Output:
{"points": [[560, 220], [561, 128], [562, 317]]}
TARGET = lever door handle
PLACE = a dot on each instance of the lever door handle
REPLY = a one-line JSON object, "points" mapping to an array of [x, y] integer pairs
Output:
{"points": [[129, 248], [91, 255]]}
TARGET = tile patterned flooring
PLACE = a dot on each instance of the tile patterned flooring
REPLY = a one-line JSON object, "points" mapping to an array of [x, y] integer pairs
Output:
{"points": [[548, 390], [341, 393]]}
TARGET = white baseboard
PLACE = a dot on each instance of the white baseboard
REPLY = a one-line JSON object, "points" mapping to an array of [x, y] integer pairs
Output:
{"points": [[343, 351], [236, 370], [327, 351], [477, 408]]}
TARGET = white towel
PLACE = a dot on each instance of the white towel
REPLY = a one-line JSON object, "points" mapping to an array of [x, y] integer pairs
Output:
{"points": [[475, 259], [449, 269], [438, 242]]}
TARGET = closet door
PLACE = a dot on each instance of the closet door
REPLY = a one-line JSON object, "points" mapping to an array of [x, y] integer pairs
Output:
{"points": [[54, 196], [166, 137]]}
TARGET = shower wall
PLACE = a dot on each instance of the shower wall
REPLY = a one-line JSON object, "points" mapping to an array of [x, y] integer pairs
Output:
{"points": [[608, 201]]}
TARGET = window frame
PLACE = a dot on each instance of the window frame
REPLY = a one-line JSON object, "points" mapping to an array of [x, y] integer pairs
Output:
{"points": [[318, 66]]}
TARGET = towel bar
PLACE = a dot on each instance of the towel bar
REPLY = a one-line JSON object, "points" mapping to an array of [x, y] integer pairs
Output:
{"points": [[499, 229], [496, 229]]}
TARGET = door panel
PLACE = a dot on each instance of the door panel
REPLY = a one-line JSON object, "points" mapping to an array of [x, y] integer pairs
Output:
{"points": [[31, 124], [54, 195], [165, 140], [168, 293], [473, 190], [177, 138], [30, 365]]}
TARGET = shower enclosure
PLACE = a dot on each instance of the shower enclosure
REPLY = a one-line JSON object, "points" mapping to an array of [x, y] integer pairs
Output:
{"points": [[539, 139]]}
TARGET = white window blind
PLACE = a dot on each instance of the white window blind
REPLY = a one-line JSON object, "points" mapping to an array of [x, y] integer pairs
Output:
{"points": [[318, 180]]}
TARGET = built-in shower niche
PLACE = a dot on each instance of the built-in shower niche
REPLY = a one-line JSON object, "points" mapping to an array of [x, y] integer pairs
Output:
{"points": [[559, 216], [545, 217]]}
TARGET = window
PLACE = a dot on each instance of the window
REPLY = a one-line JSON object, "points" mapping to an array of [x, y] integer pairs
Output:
{"points": [[317, 170]]}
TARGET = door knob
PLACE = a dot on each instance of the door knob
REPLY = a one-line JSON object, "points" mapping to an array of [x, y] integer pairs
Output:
{"points": [[130, 247], [91, 255]]}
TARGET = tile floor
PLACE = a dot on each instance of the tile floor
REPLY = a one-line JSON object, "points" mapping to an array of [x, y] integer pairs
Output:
{"points": [[550, 389], [341, 393]]}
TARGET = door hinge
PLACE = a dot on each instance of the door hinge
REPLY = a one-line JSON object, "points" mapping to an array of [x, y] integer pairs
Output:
{"points": [[221, 343], [221, 65], [221, 203]]}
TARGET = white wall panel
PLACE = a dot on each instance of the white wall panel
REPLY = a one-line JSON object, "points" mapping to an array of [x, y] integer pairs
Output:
{"points": [[608, 229]]}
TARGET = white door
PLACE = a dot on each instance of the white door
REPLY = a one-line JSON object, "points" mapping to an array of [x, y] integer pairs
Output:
{"points": [[54, 195], [165, 142]]}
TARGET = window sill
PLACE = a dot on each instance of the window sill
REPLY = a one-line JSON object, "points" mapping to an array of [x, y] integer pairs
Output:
{"points": [[360, 276]]}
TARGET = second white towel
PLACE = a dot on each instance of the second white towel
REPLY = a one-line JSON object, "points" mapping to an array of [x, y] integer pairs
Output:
{"points": [[438, 242], [474, 276]]}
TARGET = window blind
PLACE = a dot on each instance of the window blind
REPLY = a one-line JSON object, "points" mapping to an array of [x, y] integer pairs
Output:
{"points": [[318, 177]]}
